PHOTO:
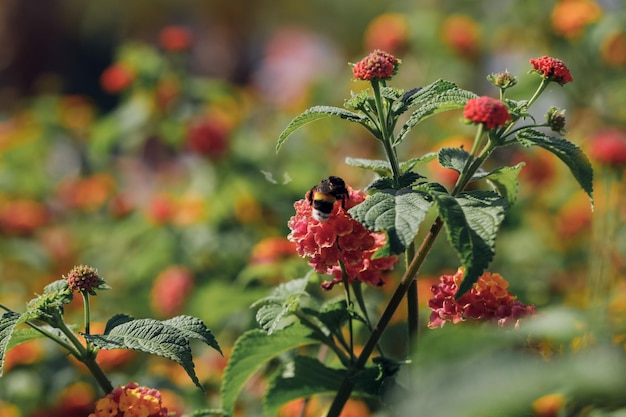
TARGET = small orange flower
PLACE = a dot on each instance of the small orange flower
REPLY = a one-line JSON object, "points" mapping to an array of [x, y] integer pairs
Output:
{"points": [[613, 49], [171, 289], [462, 34], [389, 32], [131, 401], [22, 217], [570, 17], [549, 405]]}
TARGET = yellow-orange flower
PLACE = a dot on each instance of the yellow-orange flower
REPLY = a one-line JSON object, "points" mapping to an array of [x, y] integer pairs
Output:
{"points": [[462, 34], [548, 405], [613, 49], [389, 32], [570, 17]]}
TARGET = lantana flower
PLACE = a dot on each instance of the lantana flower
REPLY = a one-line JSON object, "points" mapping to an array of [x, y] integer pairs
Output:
{"points": [[609, 147], [339, 241], [488, 300], [84, 278], [378, 65], [130, 401], [552, 69], [487, 110]]}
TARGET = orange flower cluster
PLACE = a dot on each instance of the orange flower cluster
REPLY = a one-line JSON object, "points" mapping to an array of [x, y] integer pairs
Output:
{"points": [[131, 401]]}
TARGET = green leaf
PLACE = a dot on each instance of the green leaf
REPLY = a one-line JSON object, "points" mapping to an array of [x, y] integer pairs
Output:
{"points": [[274, 308], [396, 212], [406, 180], [251, 351], [472, 221], [435, 98], [194, 328], [316, 113], [453, 158], [505, 181], [304, 377], [382, 168], [569, 153], [411, 163], [333, 313], [169, 339], [8, 322]]}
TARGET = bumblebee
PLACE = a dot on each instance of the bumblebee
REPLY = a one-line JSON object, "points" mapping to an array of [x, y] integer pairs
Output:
{"points": [[324, 195]]}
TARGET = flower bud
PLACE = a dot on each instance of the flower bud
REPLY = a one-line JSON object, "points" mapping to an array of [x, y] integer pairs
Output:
{"points": [[502, 80], [556, 119]]}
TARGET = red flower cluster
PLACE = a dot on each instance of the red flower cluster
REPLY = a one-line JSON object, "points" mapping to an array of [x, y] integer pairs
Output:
{"points": [[609, 147], [208, 137], [131, 401], [488, 300], [552, 69], [175, 38], [378, 65], [83, 278], [341, 239], [490, 111], [116, 78]]}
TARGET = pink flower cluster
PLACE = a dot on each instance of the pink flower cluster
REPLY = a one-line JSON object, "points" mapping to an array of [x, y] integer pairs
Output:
{"points": [[378, 65], [340, 240], [130, 401], [488, 300], [552, 69], [83, 278], [490, 111], [608, 147]]}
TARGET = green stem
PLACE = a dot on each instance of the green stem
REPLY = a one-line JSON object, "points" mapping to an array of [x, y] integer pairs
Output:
{"points": [[542, 86], [328, 341], [412, 300], [86, 311], [409, 276], [87, 356], [346, 287], [358, 294], [386, 136]]}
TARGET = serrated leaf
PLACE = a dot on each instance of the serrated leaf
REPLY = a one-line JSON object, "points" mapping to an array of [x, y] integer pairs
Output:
{"points": [[304, 377], [194, 328], [411, 163], [472, 221], [8, 322], [316, 113], [333, 313], [251, 351], [150, 336], [569, 153], [274, 308], [435, 98], [505, 181], [453, 158], [406, 180], [381, 167], [396, 212]]}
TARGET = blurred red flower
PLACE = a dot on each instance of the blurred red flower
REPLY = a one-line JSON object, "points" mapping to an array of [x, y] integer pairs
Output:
{"points": [[208, 137], [613, 49], [488, 300], [272, 249], [389, 32], [175, 38], [22, 217], [170, 290], [116, 78], [341, 239], [487, 110], [87, 193], [609, 147]]}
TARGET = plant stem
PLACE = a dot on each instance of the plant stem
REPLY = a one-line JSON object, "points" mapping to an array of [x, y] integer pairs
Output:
{"points": [[409, 276], [346, 287], [86, 311], [412, 300], [87, 356], [386, 137]]}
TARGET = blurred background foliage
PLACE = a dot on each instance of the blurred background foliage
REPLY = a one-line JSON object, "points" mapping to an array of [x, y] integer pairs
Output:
{"points": [[139, 138]]}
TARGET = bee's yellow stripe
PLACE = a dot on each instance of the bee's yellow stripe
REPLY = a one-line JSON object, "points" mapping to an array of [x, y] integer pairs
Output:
{"points": [[323, 197]]}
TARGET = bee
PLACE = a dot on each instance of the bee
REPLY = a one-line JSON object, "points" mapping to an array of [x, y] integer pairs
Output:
{"points": [[324, 195]]}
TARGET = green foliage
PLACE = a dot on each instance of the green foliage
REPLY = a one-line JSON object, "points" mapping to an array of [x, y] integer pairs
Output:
{"points": [[472, 220], [505, 181], [252, 351], [274, 309], [569, 153], [435, 98], [317, 113], [8, 322], [169, 339], [398, 213]]}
